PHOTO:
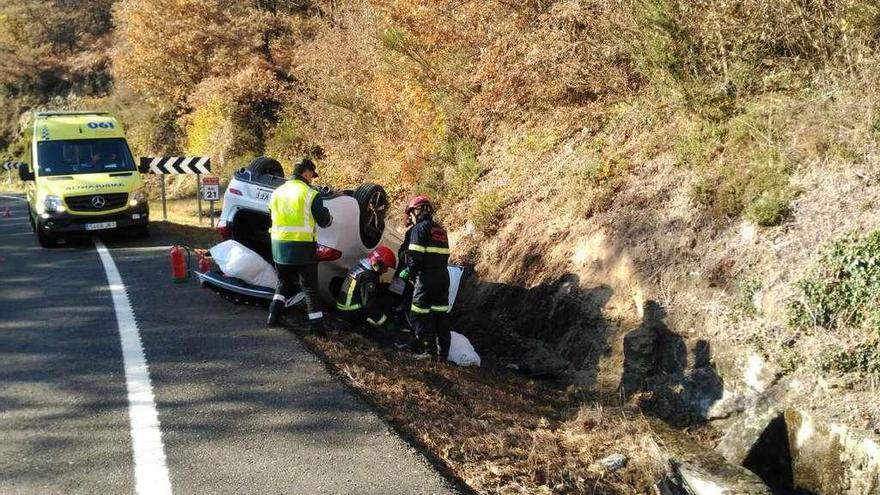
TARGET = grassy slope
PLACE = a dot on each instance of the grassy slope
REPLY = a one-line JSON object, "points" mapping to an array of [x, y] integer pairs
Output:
{"points": [[642, 228]]}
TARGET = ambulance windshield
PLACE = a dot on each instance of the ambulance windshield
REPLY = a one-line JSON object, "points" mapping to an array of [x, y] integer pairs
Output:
{"points": [[83, 156]]}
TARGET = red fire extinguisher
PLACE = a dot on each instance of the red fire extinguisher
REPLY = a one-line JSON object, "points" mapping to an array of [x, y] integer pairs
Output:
{"points": [[179, 263]]}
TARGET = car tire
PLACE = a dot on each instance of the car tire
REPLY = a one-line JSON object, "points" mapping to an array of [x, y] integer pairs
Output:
{"points": [[142, 232], [373, 203], [45, 239], [264, 165]]}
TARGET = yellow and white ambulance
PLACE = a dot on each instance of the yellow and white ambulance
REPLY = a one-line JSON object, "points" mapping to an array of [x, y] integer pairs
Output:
{"points": [[82, 177]]}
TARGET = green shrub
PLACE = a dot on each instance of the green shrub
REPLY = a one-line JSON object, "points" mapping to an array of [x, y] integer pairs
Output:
{"points": [[697, 149], [864, 358], [288, 140], [789, 359], [538, 142], [740, 166], [741, 170], [451, 176], [875, 124], [464, 168], [486, 209], [598, 181], [744, 305], [844, 291], [205, 126], [770, 208], [760, 191]]}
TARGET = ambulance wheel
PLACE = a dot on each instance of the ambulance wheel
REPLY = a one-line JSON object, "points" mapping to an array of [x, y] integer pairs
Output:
{"points": [[31, 220], [45, 239], [142, 232]]}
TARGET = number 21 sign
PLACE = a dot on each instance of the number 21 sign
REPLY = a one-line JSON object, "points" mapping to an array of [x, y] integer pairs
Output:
{"points": [[210, 188]]}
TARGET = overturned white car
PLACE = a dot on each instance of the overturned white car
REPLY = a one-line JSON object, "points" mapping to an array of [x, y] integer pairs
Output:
{"points": [[358, 227]]}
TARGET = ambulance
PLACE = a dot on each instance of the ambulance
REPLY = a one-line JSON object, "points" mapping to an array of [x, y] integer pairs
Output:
{"points": [[82, 177]]}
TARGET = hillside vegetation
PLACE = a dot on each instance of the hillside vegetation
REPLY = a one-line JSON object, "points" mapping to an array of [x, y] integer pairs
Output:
{"points": [[716, 159]]}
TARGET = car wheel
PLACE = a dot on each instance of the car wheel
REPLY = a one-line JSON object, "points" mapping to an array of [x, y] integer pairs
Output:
{"points": [[264, 165], [45, 239], [373, 202]]}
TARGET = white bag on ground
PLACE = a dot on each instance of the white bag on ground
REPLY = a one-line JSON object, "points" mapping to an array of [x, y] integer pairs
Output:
{"points": [[461, 352], [236, 260]]}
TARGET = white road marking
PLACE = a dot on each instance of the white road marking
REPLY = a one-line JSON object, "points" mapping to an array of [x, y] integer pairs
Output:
{"points": [[13, 197], [151, 472]]}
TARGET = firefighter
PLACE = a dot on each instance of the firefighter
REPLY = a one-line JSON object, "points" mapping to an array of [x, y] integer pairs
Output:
{"points": [[427, 256], [359, 298], [296, 209]]}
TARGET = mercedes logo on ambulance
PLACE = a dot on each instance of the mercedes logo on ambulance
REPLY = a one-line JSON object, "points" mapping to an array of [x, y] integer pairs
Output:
{"points": [[98, 202]]}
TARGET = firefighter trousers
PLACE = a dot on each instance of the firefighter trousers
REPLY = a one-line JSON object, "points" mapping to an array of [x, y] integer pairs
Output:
{"points": [[305, 277], [430, 305]]}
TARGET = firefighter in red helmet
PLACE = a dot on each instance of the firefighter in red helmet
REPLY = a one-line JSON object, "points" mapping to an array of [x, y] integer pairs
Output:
{"points": [[359, 299], [426, 250]]}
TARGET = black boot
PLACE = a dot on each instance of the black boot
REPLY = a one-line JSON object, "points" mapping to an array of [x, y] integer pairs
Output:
{"points": [[316, 327], [275, 309], [444, 340]]}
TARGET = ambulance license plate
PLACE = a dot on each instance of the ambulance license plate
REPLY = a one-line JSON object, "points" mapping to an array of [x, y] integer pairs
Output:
{"points": [[101, 226]]}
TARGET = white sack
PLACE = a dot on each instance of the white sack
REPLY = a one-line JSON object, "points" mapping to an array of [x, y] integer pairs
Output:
{"points": [[236, 260], [461, 352]]}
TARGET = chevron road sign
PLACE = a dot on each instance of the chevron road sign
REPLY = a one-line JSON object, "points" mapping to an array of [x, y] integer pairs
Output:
{"points": [[177, 165], [8, 166]]}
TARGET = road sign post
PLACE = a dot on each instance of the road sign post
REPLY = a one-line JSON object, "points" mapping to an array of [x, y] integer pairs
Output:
{"points": [[210, 193], [198, 195], [176, 165], [164, 208]]}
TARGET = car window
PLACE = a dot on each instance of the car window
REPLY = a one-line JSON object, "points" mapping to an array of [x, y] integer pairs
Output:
{"points": [[85, 156]]}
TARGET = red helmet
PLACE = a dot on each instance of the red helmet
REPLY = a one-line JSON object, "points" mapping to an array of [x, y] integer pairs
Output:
{"points": [[384, 257], [418, 202]]}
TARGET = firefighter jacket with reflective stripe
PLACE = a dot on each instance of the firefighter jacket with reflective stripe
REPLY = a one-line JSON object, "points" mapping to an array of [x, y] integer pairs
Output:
{"points": [[427, 247], [359, 295], [296, 209]]}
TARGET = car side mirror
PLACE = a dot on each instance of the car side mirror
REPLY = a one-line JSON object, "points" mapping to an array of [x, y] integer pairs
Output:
{"points": [[24, 172]]}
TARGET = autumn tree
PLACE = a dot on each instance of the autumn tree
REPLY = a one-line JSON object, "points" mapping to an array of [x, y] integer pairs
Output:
{"points": [[215, 65], [50, 49]]}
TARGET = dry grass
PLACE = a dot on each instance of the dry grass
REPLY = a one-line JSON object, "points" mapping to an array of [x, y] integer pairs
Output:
{"points": [[497, 431], [10, 183], [184, 211], [198, 237]]}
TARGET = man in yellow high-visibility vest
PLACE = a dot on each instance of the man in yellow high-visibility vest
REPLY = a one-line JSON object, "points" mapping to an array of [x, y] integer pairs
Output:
{"points": [[297, 210]]}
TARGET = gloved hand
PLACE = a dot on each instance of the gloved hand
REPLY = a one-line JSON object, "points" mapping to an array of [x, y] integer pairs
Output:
{"points": [[404, 274]]}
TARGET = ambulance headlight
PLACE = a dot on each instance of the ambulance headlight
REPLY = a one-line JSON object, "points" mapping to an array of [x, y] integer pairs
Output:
{"points": [[53, 204], [138, 197]]}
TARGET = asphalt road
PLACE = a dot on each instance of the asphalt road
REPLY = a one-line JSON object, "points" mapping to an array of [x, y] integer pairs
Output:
{"points": [[242, 408]]}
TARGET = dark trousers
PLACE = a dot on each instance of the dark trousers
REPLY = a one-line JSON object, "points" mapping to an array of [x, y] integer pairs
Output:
{"points": [[294, 277], [430, 305]]}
